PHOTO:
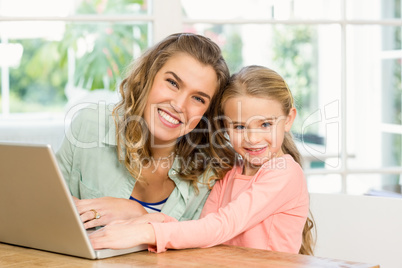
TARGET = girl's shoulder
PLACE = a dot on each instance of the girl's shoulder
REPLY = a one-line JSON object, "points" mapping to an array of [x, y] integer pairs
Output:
{"points": [[283, 164], [237, 169]]}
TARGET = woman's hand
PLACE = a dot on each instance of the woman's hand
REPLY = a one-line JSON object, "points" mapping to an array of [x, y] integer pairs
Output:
{"points": [[107, 209], [123, 234]]}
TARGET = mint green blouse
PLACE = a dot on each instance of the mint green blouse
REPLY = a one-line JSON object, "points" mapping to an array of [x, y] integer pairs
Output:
{"points": [[89, 163]]}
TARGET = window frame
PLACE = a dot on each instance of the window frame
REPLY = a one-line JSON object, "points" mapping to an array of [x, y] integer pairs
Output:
{"points": [[164, 23]]}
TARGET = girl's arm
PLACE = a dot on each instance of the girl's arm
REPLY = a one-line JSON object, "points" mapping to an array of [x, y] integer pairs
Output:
{"points": [[130, 233], [273, 190], [122, 234], [212, 203]]}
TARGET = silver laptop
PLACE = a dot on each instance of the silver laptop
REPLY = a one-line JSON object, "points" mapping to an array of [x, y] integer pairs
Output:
{"points": [[36, 207]]}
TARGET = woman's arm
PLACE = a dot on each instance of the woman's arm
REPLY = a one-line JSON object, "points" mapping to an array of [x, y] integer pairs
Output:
{"points": [[75, 159], [65, 154], [109, 208]]}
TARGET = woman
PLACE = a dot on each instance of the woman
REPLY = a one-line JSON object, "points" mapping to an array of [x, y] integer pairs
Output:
{"points": [[154, 148]]}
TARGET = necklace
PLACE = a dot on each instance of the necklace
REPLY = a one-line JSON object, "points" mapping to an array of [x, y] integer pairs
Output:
{"points": [[165, 157]]}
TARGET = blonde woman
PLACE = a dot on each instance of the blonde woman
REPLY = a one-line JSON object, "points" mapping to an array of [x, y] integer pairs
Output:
{"points": [[152, 152]]}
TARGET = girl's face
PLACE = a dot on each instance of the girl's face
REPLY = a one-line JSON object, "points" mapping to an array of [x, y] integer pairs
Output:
{"points": [[256, 128], [181, 93]]}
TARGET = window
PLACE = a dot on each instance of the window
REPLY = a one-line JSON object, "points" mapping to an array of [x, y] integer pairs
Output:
{"points": [[52, 49], [341, 59]]}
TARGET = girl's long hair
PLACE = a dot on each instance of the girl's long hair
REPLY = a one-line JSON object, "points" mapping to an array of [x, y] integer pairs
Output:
{"points": [[263, 82], [132, 133]]}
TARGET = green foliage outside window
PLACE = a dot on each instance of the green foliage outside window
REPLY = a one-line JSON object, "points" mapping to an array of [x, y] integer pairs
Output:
{"points": [[295, 55], [38, 84], [232, 50], [107, 48], [101, 52], [108, 51], [396, 140]]}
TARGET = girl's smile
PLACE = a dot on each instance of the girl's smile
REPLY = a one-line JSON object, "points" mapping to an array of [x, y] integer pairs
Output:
{"points": [[256, 151]]}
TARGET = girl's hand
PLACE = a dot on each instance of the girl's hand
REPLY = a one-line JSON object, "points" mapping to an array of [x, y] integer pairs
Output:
{"points": [[149, 217], [123, 234], [107, 209]]}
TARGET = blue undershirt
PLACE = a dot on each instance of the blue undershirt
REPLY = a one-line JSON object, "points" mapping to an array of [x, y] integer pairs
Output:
{"points": [[151, 207]]}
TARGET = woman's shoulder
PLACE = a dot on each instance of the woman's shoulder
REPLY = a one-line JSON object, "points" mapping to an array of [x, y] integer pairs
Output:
{"points": [[205, 180], [92, 112], [91, 122]]}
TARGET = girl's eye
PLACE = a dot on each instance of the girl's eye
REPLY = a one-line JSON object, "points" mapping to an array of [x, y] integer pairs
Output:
{"points": [[199, 99], [173, 83], [266, 124], [239, 127]]}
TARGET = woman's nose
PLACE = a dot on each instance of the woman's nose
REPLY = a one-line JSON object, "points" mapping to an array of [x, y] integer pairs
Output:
{"points": [[179, 102]]}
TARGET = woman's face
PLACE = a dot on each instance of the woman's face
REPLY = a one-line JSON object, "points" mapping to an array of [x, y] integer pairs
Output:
{"points": [[181, 93]]}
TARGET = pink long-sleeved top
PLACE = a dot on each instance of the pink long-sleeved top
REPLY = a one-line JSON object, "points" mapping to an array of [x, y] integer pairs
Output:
{"points": [[264, 211]]}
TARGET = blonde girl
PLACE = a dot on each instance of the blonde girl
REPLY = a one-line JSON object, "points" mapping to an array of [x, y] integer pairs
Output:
{"points": [[262, 202]]}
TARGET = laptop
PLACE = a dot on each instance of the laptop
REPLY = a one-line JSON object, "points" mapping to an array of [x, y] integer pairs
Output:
{"points": [[36, 207]]}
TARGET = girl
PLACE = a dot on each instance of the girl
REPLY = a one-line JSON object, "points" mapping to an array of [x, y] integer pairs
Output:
{"points": [[262, 202], [146, 149]]}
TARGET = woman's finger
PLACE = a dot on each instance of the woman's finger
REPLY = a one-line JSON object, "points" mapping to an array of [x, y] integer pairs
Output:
{"points": [[93, 223], [85, 205], [92, 215]]}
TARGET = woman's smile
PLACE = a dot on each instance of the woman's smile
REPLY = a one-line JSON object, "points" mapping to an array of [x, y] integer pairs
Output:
{"points": [[179, 97], [168, 119]]}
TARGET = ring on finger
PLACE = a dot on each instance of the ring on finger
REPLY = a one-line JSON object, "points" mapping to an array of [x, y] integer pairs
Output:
{"points": [[96, 214]]}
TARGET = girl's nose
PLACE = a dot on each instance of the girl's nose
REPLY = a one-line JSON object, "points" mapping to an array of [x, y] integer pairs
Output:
{"points": [[253, 136]]}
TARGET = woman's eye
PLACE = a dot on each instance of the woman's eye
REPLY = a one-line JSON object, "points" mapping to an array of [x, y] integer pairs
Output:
{"points": [[199, 99], [173, 83], [266, 124]]}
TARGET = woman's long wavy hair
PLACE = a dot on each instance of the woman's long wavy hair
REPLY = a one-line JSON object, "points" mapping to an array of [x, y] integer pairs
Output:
{"points": [[263, 82], [132, 135]]}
